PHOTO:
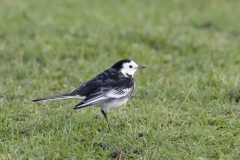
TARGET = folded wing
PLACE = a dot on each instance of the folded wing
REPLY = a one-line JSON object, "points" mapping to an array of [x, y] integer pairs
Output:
{"points": [[104, 94]]}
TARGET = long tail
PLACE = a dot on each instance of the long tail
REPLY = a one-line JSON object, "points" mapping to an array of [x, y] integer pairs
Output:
{"points": [[56, 97]]}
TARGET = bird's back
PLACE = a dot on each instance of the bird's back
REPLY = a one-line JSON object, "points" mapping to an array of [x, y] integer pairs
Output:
{"points": [[109, 76]]}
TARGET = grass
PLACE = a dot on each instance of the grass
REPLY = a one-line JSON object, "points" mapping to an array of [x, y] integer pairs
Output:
{"points": [[185, 105]]}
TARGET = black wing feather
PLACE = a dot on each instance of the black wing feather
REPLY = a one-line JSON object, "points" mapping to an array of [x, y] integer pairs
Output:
{"points": [[85, 89], [105, 92]]}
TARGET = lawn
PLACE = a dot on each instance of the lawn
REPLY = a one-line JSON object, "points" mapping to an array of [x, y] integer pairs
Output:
{"points": [[185, 105]]}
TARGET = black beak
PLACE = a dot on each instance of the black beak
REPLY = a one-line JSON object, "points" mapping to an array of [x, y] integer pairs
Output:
{"points": [[140, 67]]}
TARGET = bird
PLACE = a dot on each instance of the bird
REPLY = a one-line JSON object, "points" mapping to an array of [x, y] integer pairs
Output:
{"points": [[109, 89]]}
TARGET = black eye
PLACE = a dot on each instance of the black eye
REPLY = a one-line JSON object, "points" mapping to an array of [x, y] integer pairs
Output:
{"points": [[130, 66]]}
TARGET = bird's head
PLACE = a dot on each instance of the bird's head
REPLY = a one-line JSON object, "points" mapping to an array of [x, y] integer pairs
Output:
{"points": [[127, 67]]}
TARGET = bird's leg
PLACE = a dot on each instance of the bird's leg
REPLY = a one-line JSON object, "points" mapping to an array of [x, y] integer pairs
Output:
{"points": [[105, 114]]}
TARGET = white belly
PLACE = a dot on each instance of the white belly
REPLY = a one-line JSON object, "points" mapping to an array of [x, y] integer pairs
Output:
{"points": [[113, 104]]}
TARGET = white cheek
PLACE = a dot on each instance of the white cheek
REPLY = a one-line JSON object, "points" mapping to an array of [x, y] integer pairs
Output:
{"points": [[130, 71]]}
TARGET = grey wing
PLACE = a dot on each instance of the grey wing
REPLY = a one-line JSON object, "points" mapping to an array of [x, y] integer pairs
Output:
{"points": [[104, 94], [85, 89], [91, 86]]}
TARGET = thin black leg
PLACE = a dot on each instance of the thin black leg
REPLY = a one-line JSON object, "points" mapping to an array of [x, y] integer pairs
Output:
{"points": [[105, 115]]}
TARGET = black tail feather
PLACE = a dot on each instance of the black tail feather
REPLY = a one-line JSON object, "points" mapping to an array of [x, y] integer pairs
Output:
{"points": [[54, 97]]}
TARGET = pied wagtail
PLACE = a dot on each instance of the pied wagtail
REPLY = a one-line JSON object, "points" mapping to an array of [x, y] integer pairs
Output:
{"points": [[111, 88]]}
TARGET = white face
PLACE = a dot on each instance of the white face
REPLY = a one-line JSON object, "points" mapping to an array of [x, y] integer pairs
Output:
{"points": [[129, 68]]}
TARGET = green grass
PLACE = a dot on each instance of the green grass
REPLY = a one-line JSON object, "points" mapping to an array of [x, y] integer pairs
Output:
{"points": [[185, 105]]}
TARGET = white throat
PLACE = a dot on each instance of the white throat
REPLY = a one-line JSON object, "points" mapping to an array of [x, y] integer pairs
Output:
{"points": [[126, 74]]}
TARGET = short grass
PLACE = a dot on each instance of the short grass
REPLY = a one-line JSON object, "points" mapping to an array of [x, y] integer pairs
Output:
{"points": [[185, 105]]}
